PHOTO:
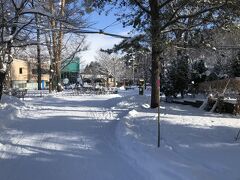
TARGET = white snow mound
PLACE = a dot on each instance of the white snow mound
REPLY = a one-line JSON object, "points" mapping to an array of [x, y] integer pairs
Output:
{"points": [[133, 113], [145, 106]]}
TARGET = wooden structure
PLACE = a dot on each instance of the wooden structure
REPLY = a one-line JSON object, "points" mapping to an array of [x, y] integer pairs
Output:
{"points": [[237, 106], [219, 86]]}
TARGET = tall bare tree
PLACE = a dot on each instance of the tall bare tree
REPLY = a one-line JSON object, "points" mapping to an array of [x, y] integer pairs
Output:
{"points": [[17, 22], [112, 64], [70, 18]]}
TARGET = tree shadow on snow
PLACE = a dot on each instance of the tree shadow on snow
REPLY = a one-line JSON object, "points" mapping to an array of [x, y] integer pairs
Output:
{"points": [[63, 147]]}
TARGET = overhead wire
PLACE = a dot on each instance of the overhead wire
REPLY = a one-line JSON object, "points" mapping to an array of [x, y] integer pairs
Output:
{"points": [[112, 24]]}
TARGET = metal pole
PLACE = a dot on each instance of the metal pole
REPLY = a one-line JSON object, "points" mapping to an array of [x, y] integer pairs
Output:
{"points": [[158, 126], [158, 84]]}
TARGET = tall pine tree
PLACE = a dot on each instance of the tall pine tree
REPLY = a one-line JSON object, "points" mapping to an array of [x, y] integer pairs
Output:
{"points": [[236, 66]]}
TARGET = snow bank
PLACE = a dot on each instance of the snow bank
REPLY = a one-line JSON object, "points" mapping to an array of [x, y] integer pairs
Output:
{"points": [[195, 144], [133, 113], [122, 88], [10, 109]]}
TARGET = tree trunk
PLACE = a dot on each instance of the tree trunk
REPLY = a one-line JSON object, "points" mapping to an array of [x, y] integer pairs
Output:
{"points": [[58, 71], [114, 72], [39, 71], [2, 78], [156, 52], [57, 38], [53, 49]]}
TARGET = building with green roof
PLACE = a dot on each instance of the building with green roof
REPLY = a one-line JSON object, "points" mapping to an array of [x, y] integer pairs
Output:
{"points": [[71, 70]]}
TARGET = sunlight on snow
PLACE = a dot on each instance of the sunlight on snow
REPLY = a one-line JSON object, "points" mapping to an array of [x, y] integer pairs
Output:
{"points": [[201, 122], [67, 144]]}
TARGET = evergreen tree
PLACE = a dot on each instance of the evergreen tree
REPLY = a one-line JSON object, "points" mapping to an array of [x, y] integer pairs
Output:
{"points": [[182, 74], [236, 66], [176, 79], [198, 72]]}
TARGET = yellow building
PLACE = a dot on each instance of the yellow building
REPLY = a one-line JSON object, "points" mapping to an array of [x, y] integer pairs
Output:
{"points": [[23, 74]]}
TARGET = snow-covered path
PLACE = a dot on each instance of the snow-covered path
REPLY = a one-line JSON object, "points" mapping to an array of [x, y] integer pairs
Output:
{"points": [[70, 138], [113, 137]]}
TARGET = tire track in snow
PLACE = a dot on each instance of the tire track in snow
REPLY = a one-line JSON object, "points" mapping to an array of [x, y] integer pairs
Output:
{"points": [[69, 139], [103, 114]]}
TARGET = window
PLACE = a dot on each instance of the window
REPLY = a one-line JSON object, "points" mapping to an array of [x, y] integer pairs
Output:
{"points": [[20, 70]]}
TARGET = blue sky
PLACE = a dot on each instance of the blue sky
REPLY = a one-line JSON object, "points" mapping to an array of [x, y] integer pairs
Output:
{"points": [[101, 21], [98, 41]]}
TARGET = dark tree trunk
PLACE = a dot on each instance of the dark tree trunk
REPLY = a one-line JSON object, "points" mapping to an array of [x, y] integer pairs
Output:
{"points": [[182, 94], [156, 52], [2, 78], [39, 70]]}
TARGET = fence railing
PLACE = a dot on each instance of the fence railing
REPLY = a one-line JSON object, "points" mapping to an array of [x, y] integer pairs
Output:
{"points": [[219, 85]]}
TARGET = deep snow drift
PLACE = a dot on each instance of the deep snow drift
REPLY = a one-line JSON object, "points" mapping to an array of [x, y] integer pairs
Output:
{"points": [[111, 137]]}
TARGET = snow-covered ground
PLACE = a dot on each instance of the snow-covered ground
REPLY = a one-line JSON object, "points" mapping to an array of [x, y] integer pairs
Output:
{"points": [[114, 137]]}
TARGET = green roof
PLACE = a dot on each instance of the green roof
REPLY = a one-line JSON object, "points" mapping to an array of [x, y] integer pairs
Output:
{"points": [[72, 67]]}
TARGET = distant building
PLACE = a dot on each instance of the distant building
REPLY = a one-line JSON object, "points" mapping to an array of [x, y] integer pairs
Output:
{"points": [[94, 74], [23, 74], [71, 70]]}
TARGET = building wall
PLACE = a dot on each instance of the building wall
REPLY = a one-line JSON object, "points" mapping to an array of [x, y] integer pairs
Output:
{"points": [[45, 77], [20, 70], [22, 77]]}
